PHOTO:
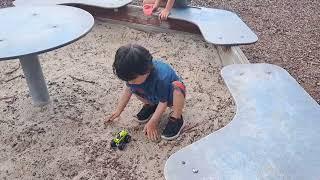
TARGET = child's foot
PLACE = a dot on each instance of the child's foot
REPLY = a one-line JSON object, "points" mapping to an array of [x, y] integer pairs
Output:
{"points": [[173, 128], [146, 112]]}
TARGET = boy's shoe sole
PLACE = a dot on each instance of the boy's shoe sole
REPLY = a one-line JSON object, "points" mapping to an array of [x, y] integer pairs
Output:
{"points": [[175, 136]]}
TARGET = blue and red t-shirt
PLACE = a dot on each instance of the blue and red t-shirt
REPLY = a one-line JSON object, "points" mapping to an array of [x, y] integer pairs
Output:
{"points": [[158, 86]]}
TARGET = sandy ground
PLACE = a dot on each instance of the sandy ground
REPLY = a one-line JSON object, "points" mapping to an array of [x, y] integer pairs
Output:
{"points": [[67, 139]]}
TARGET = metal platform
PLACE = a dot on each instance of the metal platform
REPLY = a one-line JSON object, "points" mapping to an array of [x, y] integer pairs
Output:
{"points": [[217, 26], [274, 134]]}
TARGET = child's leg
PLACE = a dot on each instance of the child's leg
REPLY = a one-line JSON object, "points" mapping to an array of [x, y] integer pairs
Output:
{"points": [[175, 123], [178, 99]]}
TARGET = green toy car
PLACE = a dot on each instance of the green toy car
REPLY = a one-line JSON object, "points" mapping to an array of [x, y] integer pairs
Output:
{"points": [[121, 140]]}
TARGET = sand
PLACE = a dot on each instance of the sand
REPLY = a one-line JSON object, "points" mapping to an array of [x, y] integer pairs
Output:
{"points": [[68, 139]]}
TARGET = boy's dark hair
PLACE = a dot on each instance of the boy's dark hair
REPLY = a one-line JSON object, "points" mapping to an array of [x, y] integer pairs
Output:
{"points": [[132, 60]]}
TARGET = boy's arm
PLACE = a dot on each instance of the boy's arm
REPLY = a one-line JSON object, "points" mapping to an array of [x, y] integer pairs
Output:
{"points": [[123, 101], [169, 5], [151, 128], [166, 11]]}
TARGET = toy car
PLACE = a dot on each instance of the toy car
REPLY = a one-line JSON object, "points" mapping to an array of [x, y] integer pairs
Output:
{"points": [[121, 140]]}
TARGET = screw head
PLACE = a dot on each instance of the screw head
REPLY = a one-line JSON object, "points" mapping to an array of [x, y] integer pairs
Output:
{"points": [[195, 170]]}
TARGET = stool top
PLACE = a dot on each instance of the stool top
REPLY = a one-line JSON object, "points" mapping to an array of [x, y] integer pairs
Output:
{"points": [[37, 29]]}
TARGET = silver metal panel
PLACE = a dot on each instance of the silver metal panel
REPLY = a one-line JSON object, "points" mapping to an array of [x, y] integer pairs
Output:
{"points": [[274, 134], [109, 4], [32, 30], [217, 26]]}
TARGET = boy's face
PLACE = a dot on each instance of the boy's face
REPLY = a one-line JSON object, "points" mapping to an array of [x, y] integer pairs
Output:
{"points": [[139, 79]]}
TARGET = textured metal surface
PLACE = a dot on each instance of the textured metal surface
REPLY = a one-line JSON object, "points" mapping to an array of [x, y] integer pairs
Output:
{"points": [[33, 30], [35, 80], [110, 4], [274, 134], [217, 26]]}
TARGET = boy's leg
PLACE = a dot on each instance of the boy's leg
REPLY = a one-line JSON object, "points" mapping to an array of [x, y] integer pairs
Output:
{"points": [[147, 110], [175, 122], [178, 99]]}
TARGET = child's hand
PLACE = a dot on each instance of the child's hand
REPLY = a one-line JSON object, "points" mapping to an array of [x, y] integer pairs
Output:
{"points": [[164, 14], [151, 130], [113, 116]]}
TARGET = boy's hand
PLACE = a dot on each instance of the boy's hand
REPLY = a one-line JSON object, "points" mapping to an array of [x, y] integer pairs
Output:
{"points": [[113, 116], [151, 130], [164, 14]]}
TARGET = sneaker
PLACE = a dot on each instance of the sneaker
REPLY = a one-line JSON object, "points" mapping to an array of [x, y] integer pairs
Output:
{"points": [[173, 129], [146, 112]]}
